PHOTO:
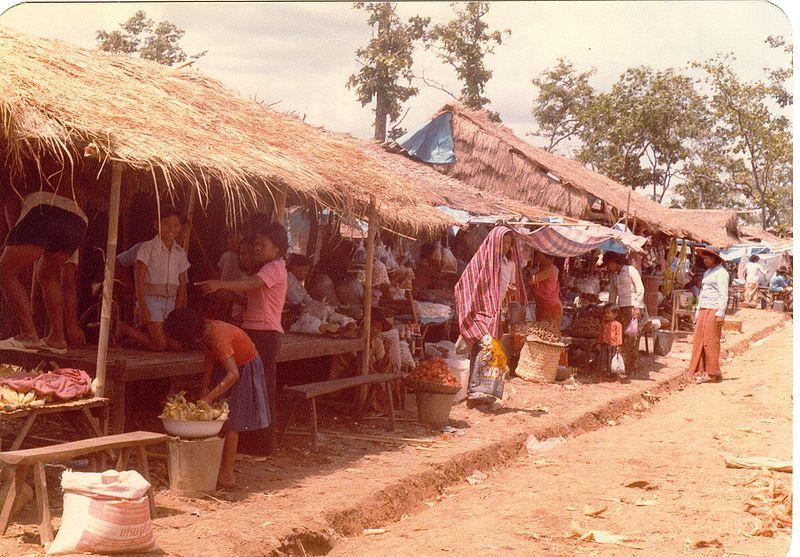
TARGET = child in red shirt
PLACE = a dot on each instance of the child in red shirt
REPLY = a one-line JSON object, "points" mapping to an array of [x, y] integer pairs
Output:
{"points": [[233, 370], [609, 340]]}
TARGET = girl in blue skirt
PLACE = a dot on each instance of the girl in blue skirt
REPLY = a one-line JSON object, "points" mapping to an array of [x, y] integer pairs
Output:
{"points": [[233, 371]]}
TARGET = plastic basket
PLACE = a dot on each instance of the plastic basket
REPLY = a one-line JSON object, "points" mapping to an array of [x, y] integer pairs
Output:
{"points": [[538, 361]]}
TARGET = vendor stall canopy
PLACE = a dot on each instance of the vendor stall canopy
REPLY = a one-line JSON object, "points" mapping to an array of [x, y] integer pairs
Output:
{"points": [[467, 145], [184, 129]]}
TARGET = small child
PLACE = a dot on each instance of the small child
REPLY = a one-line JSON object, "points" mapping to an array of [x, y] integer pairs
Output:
{"points": [[160, 279], [234, 368], [609, 340]]}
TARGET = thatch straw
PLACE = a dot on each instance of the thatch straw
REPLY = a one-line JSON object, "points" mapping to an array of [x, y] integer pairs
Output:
{"points": [[719, 227], [180, 127], [491, 158]]}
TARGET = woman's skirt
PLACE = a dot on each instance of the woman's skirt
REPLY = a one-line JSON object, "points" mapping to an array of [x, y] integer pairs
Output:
{"points": [[705, 351], [549, 313], [247, 399], [485, 382]]}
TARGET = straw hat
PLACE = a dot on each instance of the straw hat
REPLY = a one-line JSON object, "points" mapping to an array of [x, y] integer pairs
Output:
{"points": [[709, 251]]}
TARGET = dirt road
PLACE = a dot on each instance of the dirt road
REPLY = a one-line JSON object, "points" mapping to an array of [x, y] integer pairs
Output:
{"points": [[676, 447]]}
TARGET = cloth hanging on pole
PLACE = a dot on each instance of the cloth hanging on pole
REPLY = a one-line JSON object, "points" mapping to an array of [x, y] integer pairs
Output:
{"points": [[478, 300]]}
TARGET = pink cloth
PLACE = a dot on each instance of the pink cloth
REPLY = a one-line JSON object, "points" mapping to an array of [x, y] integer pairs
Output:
{"points": [[63, 384], [478, 297], [265, 303]]}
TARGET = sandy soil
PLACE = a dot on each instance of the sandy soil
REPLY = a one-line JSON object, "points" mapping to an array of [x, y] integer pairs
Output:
{"points": [[678, 446], [315, 499]]}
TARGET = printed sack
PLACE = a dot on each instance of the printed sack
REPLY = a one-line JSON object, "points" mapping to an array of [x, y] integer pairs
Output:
{"points": [[104, 518]]}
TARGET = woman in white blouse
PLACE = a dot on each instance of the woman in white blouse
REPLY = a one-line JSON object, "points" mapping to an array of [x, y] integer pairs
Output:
{"points": [[711, 306]]}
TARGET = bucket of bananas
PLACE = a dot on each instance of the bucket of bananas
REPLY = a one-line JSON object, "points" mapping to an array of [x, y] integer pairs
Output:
{"points": [[193, 420]]}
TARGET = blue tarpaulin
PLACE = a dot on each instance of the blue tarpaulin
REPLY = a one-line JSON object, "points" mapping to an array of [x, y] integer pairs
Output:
{"points": [[433, 143]]}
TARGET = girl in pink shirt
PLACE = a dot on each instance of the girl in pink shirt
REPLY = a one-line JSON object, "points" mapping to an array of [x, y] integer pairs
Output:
{"points": [[266, 294]]}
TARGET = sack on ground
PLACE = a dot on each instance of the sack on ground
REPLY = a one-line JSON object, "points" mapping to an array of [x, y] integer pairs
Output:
{"points": [[104, 518], [632, 330], [618, 364]]}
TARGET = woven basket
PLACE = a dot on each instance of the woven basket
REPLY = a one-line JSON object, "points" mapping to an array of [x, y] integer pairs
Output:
{"points": [[430, 387], [538, 361]]}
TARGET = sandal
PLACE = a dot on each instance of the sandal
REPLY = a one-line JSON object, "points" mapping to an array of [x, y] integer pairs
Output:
{"points": [[52, 349], [19, 345]]}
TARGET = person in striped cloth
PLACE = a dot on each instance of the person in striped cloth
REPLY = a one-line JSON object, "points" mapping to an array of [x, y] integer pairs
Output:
{"points": [[480, 293]]}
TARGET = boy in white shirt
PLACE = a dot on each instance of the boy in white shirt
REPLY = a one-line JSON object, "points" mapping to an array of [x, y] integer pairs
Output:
{"points": [[160, 277]]}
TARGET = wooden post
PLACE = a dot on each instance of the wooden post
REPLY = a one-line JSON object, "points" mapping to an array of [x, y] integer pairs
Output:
{"points": [[628, 207], [190, 218], [365, 355], [108, 279], [280, 207]]}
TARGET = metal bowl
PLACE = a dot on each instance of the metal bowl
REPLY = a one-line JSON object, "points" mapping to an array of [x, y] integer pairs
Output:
{"points": [[192, 429]]}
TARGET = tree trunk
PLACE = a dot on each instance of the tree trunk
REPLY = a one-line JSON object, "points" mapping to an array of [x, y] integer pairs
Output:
{"points": [[380, 116]]}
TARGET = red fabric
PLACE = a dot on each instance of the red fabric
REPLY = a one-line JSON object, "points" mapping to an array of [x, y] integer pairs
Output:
{"points": [[706, 348], [478, 290], [229, 340], [63, 384], [610, 333]]}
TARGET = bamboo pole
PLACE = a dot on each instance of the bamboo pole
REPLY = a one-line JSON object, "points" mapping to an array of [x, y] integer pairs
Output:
{"points": [[108, 277], [280, 207], [365, 355], [190, 217], [628, 207]]}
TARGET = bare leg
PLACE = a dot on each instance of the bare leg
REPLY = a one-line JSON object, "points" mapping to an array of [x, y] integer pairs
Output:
{"points": [[49, 278], [69, 287], [154, 339], [227, 478], [13, 262]]}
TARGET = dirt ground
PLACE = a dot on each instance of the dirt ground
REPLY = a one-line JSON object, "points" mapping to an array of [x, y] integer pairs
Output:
{"points": [[678, 446], [303, 503]]}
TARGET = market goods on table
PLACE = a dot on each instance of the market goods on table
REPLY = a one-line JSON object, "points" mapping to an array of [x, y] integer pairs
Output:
{"points": [[585, 327], [43, 384]]}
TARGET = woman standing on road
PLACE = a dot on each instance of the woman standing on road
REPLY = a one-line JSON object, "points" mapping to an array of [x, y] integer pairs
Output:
{"points": [[711, 305]]}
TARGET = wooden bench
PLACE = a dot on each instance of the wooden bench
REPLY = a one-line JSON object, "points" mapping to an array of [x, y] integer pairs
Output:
{"points": [[17, 464], [310, 391]]}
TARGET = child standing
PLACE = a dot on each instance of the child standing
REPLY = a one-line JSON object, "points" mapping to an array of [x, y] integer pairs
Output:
{"points": [[609, 340], [160, 279], [233, 370]]}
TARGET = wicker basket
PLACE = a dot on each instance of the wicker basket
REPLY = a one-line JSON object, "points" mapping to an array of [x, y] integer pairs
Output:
{"points": [[538, 361], [430, 387]]}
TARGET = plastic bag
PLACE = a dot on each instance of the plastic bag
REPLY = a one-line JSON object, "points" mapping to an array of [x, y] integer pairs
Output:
{"points": [[632, 330], [618, 364]]}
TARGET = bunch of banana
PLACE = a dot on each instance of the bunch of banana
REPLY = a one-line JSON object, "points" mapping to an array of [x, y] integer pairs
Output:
{"points": [[9, 369], [12, 400], [178, 408]]}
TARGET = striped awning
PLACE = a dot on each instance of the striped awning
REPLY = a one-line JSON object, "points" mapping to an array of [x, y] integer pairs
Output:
{"points": [[571, 241]]}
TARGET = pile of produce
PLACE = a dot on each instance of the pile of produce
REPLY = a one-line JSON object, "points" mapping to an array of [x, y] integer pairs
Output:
{"points": [[178, 408], [585, 327], [433, 376], [544, 334], [11, 400]]}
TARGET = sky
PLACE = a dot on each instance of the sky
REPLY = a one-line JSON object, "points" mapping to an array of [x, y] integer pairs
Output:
{"points": [[300, 54]]}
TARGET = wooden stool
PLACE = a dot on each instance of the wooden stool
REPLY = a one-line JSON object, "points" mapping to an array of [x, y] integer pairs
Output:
{"points": [[17, 464]]}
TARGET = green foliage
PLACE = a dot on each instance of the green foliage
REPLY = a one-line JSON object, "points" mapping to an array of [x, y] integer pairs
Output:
{"points": [[385, 76], [753, 157], [563, 97], [139, 34], [463, 43]]}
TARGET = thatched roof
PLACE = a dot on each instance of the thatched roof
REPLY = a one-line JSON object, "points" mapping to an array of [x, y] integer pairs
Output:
{"points": [[718, 227], [490, 157], [754, 234], [182, 128]]}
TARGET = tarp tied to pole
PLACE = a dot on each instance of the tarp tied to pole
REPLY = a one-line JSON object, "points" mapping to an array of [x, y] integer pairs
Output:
{"points": [[571, 241]]}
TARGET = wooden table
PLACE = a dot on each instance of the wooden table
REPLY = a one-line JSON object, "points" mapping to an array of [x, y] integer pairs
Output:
{"points": [[97, 426], [126, 365]]}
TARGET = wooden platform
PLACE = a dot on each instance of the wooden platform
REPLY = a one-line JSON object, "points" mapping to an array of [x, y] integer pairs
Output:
{"points": [[126, 365]]}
